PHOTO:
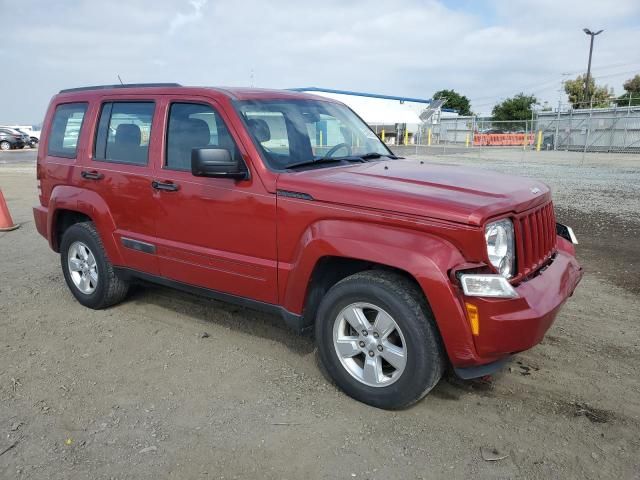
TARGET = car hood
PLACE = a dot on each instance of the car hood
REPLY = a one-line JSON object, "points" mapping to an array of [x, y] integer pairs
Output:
{"points": [[447, 192]]}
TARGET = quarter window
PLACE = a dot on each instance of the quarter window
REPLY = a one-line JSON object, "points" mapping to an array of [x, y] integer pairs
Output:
{"points": [[124, 131], [193, 125], [65, 130]]}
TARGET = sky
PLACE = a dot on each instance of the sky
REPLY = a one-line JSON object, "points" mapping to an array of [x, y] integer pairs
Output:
{"points": [[487, 50]]}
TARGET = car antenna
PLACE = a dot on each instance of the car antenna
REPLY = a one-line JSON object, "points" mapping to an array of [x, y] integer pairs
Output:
{"points": [[121, 82]]}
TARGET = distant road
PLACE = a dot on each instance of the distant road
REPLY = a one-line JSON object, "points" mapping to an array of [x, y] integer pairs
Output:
{"points": [[23, 156]]}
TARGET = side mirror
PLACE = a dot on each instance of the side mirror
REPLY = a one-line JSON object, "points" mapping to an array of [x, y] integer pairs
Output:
{"points": [[217, 163]]}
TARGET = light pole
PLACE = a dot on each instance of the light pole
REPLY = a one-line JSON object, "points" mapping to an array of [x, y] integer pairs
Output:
{"points": [[586, 83]]}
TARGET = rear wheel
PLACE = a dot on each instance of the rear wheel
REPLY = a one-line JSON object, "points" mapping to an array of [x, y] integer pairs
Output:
{"points": [[4, 145], [377, 339], [87, 270]]}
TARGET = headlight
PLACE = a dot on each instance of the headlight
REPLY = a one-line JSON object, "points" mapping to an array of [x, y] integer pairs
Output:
{"points": [[500, 246]]}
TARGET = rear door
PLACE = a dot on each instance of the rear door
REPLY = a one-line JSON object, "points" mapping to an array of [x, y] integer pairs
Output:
{"points": [[118, 170], [215, 233]]}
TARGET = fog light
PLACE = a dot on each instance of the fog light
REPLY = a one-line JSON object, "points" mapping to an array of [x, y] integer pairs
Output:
{"points": [[487, 286]]}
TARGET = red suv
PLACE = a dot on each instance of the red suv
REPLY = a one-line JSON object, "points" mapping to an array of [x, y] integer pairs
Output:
{"points": [[290, 203]]}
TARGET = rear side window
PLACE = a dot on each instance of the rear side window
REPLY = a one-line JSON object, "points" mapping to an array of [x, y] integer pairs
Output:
{"points": [[65, 130], [193, 125], [124, 130]]}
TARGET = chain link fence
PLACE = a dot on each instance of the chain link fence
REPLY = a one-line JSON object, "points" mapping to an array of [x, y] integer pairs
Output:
{"points": [[589, 130]]}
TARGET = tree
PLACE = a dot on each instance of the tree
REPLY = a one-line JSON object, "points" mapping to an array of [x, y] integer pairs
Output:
{"points": [[454, 100], [599, 95], [515, 108], [632, 97]]}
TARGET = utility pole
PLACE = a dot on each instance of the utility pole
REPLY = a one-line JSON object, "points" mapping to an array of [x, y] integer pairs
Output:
{"points": [[586, 83]]}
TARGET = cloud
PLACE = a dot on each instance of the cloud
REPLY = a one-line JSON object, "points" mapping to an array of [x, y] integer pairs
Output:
{"points": [[486, 50], [182, 19]]}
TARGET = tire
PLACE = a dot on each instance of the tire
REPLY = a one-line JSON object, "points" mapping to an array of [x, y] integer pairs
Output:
{"points": [[101, 291], [394, 295], [4, 146]]}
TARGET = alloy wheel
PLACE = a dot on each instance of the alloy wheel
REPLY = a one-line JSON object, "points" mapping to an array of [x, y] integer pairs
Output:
{"points": [[369, 344], [83, 268]]}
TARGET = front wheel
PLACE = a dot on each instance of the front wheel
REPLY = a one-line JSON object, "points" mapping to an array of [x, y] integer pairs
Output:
{"points": [[378, 341], [4, 145]]}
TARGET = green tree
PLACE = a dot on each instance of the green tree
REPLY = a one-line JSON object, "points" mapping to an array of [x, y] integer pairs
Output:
{"points": [[599, 95], [514, 108], [632, 87], [454, 100]]}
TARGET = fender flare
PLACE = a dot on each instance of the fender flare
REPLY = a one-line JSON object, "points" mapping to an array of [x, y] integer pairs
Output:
{"points": [[427, 258], [89, 203]]}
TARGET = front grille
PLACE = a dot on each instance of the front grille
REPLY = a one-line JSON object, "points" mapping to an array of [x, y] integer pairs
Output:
{"points": [[536, 239]]}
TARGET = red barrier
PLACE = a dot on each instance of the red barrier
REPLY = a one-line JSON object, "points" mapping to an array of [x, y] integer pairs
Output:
{"points": [[503, 139]]}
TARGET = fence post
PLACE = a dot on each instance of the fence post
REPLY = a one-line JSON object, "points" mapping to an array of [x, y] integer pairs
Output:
{"points": [[539, 141], [455, 133], [555, 137], [429, 137], [473, 130], [586, 140], [626, 125], [614, 122]]}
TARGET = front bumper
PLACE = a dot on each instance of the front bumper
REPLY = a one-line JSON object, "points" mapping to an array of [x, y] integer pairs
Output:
{"points": [[509, 326]]}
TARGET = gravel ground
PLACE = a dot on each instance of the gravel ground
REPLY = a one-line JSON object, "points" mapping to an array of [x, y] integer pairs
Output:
{"points": [[138, 391]]}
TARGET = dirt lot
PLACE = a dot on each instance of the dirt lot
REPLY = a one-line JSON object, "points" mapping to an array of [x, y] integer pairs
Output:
{"points": [[136, 392]]}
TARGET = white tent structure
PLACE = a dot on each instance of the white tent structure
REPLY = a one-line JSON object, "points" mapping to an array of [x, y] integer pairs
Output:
{"points": [[381, 109]]}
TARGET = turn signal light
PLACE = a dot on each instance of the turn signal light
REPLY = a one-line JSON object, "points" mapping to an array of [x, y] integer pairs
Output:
{"points": [[474, 318]]}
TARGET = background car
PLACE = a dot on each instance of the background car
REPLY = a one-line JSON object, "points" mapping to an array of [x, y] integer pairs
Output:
{"points": [[28, 139], [34, 135], [10, 139]]}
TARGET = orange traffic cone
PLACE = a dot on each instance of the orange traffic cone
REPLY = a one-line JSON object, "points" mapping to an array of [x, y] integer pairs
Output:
{"points": [[6, 223]]}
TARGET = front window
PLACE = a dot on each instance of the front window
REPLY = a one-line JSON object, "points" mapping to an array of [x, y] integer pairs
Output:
{"points": [[293, 132], [194, 125]]}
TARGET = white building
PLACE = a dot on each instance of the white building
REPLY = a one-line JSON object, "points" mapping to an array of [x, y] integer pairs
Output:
{"points": [[387, 112]]}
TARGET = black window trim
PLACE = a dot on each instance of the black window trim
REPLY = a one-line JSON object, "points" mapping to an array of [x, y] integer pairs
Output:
{"points": [[73, 156], [99, 124], [215, 109]]}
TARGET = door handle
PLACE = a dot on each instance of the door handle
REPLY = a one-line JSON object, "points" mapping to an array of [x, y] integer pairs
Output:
{"points": [[166, 186], [91, 175]]}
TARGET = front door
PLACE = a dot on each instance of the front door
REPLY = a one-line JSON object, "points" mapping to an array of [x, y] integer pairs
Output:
{"points": [[215, 233]]}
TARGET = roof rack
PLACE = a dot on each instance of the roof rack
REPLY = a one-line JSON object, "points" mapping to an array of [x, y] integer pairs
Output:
{"points": [[125, 85]]}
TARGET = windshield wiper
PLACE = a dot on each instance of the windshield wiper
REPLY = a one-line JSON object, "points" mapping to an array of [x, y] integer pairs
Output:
{"points": [[372, 155], [312, 162], [348, 158]]}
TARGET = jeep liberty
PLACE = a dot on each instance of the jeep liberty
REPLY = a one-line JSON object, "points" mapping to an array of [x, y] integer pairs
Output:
{"points": [[290, 203]]}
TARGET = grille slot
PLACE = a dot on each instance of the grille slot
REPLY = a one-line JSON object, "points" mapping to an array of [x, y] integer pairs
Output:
{"points": [[536, 239]]}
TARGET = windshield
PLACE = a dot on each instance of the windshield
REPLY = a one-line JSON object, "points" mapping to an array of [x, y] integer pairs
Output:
{"points": [[293, 132]]}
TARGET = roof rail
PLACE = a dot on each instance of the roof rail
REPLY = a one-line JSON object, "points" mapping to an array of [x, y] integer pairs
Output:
{"points": [[125, 85]]}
